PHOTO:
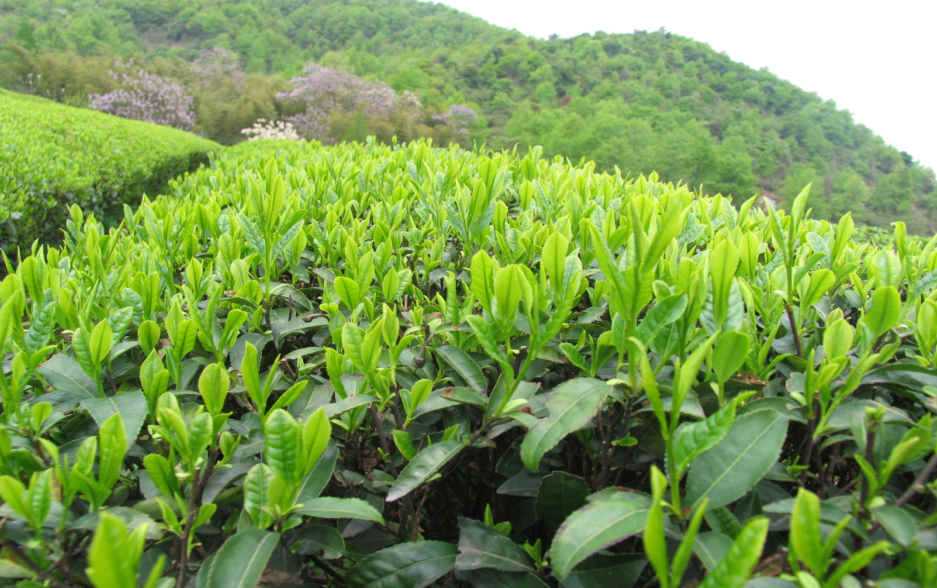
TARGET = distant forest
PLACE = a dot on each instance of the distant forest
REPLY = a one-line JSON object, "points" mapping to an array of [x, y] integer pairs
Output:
{"points": [[641, 102]]}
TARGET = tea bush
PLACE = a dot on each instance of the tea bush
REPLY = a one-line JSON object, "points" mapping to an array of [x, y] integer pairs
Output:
{"points": [[374, 366], [53, 156]]}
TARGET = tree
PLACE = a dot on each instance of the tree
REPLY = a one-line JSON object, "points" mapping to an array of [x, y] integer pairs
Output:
{"points": [[150, 98], [24, 38], [358, 129], [894, 192]]}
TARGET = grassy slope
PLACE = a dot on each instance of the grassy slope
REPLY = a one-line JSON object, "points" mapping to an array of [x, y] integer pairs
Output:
{"points": [[52, 156]]}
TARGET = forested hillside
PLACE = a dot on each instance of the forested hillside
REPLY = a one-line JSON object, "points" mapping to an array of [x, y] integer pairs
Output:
{"points": [[643, 102]]}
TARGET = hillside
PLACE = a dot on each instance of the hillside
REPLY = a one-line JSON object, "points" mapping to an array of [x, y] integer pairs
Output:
{"points": [[53, 156], [642, 102]]}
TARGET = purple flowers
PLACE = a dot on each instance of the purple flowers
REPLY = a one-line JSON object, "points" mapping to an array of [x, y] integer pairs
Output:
{"points": [[459, 117], [147, 97], [324, 104], [322, 95], [213, 66], [324, 92]]}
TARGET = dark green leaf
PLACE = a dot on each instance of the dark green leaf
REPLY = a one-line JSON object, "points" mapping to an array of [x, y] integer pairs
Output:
{"points": [[595, 527], [425, 464], [487, 578], [910, 376], [522, 484], [65, 374], [607, 571], [465, 366], [572, 405], [722, 520], [221, 478], [710, 547], [322, 538], [316, 480], [413, 565], [898, 523], [559, 495], [480, 546], [729, 470], [340, 508], [130, 405]]}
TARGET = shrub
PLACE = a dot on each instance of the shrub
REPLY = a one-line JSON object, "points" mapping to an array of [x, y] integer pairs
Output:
{"points": [[264, 129], [375, 366], [53, 156]]}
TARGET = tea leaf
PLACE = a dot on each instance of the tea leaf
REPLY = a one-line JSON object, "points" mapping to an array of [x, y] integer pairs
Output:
{"points": [[805, 532], [426, 463], [465, 366], [559, 495], [730, 353], [735, 568], [241, 560], [885, 311], [408, 564], [572, 405], [694, 439], [480, 546], [730, 469], [596, 526], [340, 508]]}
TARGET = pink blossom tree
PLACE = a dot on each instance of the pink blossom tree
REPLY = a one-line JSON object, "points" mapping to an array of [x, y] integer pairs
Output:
{"points": [[213, 66], [323, 92], [459, 118], [149, 98]]}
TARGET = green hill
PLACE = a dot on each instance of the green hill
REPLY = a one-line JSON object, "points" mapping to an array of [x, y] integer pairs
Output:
{"points": [[52, 156], [642, 102]]}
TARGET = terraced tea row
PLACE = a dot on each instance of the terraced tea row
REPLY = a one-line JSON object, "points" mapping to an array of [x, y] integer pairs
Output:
{"points": [[376, 366]]}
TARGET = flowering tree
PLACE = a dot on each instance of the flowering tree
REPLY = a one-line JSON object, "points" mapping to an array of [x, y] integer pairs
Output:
{"points": [[459, 117], [213, 66], [324, 92], [147, 97]]}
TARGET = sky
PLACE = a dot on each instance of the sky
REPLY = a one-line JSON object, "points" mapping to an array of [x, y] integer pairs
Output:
{"points": [[877, 60]]}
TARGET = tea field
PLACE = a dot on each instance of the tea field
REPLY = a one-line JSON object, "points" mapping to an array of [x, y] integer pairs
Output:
{"points": [[373, 367], [53, 156]]}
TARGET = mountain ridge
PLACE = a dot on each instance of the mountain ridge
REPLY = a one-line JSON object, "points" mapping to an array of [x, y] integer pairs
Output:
{"points": [[642, 101]]}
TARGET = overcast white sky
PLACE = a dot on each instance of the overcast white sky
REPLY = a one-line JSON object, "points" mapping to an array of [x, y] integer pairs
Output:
{"points": [[876, 59]]}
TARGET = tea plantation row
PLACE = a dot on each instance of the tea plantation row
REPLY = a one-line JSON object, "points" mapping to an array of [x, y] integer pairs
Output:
{"points": [[375, 366], [53, 156]]}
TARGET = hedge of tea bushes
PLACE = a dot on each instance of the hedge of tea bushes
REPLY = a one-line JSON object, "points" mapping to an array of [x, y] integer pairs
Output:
{"points": [[374, 366], [53, 156]]}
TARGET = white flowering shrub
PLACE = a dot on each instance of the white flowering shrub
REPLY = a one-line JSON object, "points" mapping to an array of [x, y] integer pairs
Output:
{"points": [[274, 129]]}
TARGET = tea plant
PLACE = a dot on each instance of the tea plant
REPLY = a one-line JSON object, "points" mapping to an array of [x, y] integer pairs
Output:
{"points": [[53, 156], [369, 366]]}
